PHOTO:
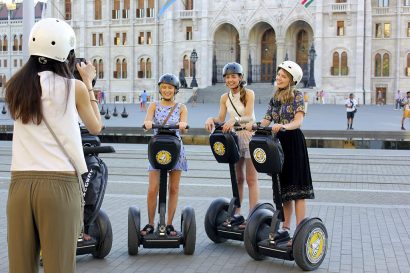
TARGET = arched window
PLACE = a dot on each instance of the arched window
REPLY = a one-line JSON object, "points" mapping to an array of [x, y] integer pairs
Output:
{"points": [[335, 64], [117, 71], [97, 10], [141, 71], [189, 4], [344, 70], [15, 43], [149, 68], [68, 9], [407, 70], [5, 43], [1, 45], [140, 9], [21, 43], [116, 9], [377, 65], [126, 10], [186, 65], [124, 69], [101, 69], [95, 64], [386, 65]]}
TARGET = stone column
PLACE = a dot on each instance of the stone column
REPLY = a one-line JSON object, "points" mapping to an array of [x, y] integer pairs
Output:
{"points": [[244, 56]]}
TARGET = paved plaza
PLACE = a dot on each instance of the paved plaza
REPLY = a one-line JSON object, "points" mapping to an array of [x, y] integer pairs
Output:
{"points": [[361, 195]]}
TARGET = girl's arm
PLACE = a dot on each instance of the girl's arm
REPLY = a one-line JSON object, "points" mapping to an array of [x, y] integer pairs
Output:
{"points": [[149, 116], [87, 107], [183, 118], [210, 122]]}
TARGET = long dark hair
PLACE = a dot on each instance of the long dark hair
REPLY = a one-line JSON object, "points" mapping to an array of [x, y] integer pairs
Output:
{"points": [[23, 90]]}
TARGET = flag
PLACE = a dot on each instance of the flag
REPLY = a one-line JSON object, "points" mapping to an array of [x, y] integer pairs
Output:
{"points": [[167, 4], [306, 3]]}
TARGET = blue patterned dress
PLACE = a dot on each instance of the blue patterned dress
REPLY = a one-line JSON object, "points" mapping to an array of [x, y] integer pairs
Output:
{"points": [[295, 179], [161, 112]]}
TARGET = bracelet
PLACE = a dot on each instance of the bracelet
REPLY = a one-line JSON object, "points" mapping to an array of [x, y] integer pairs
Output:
{"points": [[96, 101]]}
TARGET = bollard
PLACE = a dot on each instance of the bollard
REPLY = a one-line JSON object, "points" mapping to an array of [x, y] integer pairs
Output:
{"points": [[124, 113], [4, 110], [115, 113], [102, 111], [107, 115]]}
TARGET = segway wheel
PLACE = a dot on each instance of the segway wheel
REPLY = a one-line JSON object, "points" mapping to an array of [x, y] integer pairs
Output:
{"points": [[257, 230], [216, 214], [258, 206], [188, 228], [134, 224], [103, 227], [310, 245]]}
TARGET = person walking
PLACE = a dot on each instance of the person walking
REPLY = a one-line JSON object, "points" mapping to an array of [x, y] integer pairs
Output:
{"points": [[286, 110], [167, 111], [398, 100], [44, 206], [351, 109], [143, 101], [406, 109], [238, 102]]}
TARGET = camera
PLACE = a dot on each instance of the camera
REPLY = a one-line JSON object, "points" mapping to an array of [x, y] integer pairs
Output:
{"points": [[77, 74]]}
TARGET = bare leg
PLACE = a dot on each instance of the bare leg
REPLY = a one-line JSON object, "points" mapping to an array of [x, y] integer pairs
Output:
{"points": [[300, 210], [287, 210], [240, 179], [174, 178], [252, 180], [153, 188]]}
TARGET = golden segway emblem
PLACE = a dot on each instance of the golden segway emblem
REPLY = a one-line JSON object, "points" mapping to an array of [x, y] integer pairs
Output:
{"points": [[163, 157], [219, 148], [259, 155]]}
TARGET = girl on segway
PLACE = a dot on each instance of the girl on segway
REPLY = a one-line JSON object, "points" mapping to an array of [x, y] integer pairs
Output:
{"points": [[166, 111], [286, 109], [239, 103]]}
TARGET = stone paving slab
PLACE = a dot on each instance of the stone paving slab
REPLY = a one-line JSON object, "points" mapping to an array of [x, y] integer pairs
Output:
{"points": [[367, 220]]}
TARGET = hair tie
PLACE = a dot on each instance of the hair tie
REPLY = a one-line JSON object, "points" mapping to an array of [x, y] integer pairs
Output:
{"points": [[42, 60]]}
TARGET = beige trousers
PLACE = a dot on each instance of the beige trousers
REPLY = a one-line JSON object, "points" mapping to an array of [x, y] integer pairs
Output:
{"points": [[43, 209]]}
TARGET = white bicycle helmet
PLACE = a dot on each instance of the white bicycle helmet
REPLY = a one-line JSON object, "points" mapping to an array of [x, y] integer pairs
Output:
{"points": [[52, 38], [294, 69]]}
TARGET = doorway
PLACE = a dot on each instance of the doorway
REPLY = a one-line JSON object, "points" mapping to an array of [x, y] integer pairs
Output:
{"points": [[380, 95]]}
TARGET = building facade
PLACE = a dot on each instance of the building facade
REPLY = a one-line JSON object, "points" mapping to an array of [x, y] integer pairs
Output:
{"points": [[343, 46]]}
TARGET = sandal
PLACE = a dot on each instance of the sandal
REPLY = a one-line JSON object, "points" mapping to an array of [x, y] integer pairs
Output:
{"points": [[234, 221], [170, 230], [148, 229], [243, 225]]}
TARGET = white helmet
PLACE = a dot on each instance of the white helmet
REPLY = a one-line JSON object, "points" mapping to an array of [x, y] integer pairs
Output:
{"points": [[52, 38], [293, 69]]}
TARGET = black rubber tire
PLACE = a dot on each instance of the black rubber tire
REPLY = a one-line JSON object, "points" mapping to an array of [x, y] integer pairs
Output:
{"points": [[312, 231], [188, 228], [134, 226], [216, 214], [257, 230], [103, 225], [258, 206]]}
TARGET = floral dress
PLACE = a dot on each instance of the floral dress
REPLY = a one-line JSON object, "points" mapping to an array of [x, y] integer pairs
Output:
{"points": [[161, 112], [295, 179]]}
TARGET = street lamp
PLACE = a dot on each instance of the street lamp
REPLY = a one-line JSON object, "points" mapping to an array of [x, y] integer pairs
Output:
{"points": [[193, 58]]}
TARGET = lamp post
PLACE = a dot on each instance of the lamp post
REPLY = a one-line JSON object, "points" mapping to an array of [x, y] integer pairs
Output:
{"points": [[193, 58], [312, 56]]}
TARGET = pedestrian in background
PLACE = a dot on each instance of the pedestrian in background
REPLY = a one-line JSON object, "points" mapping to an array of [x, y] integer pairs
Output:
{"points": [[143, 101], [306, 99], [351, 109], [45, 194], [406, 109], [398, 100]]}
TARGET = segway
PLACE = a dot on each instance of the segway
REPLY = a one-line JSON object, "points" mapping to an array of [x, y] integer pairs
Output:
{"points": [[262, 235], [218, 224], [96, 222], [163, 153]]}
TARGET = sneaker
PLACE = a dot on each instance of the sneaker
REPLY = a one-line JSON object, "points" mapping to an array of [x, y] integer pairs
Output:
{"points": [[403, 128]]}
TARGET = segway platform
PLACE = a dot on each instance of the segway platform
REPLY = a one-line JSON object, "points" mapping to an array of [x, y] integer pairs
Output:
{"points": [[156, 240]]}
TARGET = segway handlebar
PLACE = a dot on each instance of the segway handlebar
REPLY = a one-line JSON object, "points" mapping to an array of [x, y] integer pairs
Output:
{"points": [[258, 127], [84, 130], [98, 150], [166, 127], [219, 125]]}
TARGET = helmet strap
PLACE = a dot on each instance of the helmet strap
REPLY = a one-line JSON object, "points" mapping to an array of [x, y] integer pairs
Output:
{"points": [[42, 60]]}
